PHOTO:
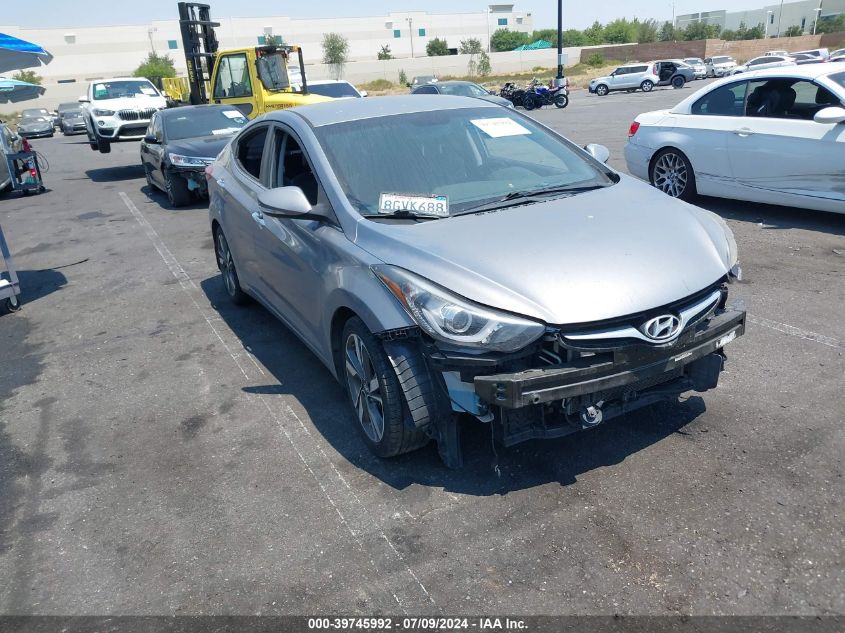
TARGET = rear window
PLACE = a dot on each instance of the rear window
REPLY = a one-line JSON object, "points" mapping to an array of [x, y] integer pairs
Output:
{"points": [[333, 90]]}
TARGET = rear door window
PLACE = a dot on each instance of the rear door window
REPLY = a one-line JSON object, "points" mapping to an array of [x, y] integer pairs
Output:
{"points": [[250, 150]]}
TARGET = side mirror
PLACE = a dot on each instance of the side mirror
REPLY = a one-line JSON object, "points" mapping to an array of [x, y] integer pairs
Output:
{"points": [[83, 99], [150, 138], [284, 201], [599, 152], [363, 93], [833, 114]]}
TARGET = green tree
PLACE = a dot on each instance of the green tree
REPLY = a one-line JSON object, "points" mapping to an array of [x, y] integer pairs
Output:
{"points": [[403, 78], [437, 47], [274, 40], [701, 31], [647, 31], [756, 33], [793, 31], [595, 33], [550, 35], [384, 52], [155, 67], [595, 60], [29, 76], [574, 37], [620, 31], [471, 47], [667, 32], [335, 52], [728, 35], [831, 24], [507, 40], [484, 67]]}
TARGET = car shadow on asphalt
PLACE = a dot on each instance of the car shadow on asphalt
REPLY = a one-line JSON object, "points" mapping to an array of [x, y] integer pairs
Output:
{"points": [[771, 216], [116, 174], [160, 198], [296, 373]]}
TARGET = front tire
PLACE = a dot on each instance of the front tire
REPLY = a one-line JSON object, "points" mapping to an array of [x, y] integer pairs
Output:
{"points": [[227, 268], [647, 85], [561, 101], [177, 190], [602, 90], [104, 146], [528, 102], [672, 173], [375, 392]]}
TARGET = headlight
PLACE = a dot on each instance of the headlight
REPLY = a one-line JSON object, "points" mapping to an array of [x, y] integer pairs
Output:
{"points": [[447, 317], [189, 161], [98, 112]]}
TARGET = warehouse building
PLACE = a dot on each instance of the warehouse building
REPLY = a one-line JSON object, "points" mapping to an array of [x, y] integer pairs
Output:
{"points": [[776, 18]]}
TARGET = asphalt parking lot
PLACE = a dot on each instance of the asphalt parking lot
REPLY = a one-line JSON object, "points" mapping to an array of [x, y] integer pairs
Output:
{"points": [[164, 452]]}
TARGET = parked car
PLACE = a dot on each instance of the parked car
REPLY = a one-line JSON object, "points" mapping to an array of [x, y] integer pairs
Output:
{"points": [[763, 62], [419, 80], [10, 143], [698, 66], [336, 89], [837, 55], [72, 121], [629, 77], [461, 89], [821, 53], [719, 66], [803, 58], [72, 106], [353, 226], [674, 72], [775, 136], [181, 142], [32, 113], [35, 126], [119, 109], [776, 54]]}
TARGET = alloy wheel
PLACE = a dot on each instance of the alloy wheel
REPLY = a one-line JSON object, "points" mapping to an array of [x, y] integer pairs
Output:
{"points": [[670, 174], [364, 388], [226, 265]]}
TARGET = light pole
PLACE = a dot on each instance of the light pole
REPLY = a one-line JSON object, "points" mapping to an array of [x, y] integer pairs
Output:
{"points": [[768, 13], [487, 20], [780, 17], [410, 22], [150, 32], [559, 81], [818, 11]]}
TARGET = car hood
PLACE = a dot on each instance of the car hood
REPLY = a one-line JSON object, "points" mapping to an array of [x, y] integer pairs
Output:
{"points": [[599, 255], [36, 125], [201, 146], [76, 118], [497, 100], [129, 103], [598, 79]]}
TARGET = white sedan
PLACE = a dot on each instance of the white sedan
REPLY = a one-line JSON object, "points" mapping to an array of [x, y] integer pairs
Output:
{"points": [[766, 61], [775, 136]]}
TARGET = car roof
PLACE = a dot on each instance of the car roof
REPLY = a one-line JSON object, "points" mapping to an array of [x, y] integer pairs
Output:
{"points": [[107, 79], [325, 82], [187, 108], [331, 112]]}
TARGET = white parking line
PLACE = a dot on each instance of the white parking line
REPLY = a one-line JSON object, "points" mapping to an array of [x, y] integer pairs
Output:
{"points": [[794, 331], [353, 515]]}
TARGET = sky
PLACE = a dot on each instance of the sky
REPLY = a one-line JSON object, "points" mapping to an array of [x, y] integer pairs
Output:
{"points": [[64, 13]]}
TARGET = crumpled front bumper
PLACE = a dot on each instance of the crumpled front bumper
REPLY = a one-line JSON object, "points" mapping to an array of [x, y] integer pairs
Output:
{"points": [[628, 369]]}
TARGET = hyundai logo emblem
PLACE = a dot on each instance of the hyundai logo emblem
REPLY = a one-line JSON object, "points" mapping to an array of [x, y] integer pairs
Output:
{"points": [[662, 328]]}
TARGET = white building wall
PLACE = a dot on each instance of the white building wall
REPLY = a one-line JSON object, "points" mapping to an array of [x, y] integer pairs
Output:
{"points": [[778, 16], [82, 53]]}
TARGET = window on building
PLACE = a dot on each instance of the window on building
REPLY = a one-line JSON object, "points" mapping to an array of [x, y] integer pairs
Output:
{"points": [[172, 44], [772, 18], [70, 38], [421, 32], [803, 23], [519, 20], [262, 40], [502, 21], [397, 33]]}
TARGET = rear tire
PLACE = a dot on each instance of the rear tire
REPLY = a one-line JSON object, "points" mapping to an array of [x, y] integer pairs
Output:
{"points": [[647, 85], [678, 82], [672, 173], [380, 395], [602, 90], [528, 102], [561, 101]]}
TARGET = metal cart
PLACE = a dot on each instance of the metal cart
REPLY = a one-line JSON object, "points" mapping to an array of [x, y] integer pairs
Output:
{"points": [[25, 172], [9, 286]]}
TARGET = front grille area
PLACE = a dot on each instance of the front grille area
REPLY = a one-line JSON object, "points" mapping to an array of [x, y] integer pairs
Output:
{"points": [[136, 115]]}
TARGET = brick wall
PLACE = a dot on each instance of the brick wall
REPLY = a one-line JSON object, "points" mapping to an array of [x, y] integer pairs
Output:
{"points": [[742, 50]]}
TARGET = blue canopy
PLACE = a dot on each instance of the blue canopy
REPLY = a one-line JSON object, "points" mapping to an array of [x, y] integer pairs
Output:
{"points": [[12, 91], [16, 54]]}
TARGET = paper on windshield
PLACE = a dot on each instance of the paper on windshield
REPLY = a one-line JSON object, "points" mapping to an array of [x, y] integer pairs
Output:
{"points": [[500, 126], [226, 130], [435, 205], [233, 114], [148, 91]]}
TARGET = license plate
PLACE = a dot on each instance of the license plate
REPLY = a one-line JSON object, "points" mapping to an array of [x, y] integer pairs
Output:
{"points": [[727, 338]]}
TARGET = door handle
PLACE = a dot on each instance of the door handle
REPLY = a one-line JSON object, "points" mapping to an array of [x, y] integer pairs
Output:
{"points": [[743, 132], [259, 219], [221, 183]]}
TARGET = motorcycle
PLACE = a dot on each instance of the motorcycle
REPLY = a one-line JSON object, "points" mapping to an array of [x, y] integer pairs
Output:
{"points": [[536, 95]]}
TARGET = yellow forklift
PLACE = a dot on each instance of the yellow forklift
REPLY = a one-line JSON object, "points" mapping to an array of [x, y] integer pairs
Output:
{"points": [[254, 80]]}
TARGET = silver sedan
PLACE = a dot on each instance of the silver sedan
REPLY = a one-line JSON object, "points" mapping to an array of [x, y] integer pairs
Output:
{"points": [[445, 257]]}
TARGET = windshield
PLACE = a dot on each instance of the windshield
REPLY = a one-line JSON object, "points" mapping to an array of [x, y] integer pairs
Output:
{"points": [[838, 78], [203, 122], [124, 88], [693, 61], [463, 90], [463, 157], [722, 60], [33, 113], [69, 114], [337, 90]]}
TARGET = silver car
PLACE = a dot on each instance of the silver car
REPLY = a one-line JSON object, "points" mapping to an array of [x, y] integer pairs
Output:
{"points": [[446, 257]]}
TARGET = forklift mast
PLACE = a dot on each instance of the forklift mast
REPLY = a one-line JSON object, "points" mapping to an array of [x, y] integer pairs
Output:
{"points": [[200, 45]]}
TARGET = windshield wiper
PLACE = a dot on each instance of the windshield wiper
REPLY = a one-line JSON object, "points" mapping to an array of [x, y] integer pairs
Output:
{"points": [[515, 198], [403, 215]]}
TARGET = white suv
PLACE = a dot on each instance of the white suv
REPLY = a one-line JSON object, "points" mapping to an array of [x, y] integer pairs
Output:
{"points": [[119, 110]]}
